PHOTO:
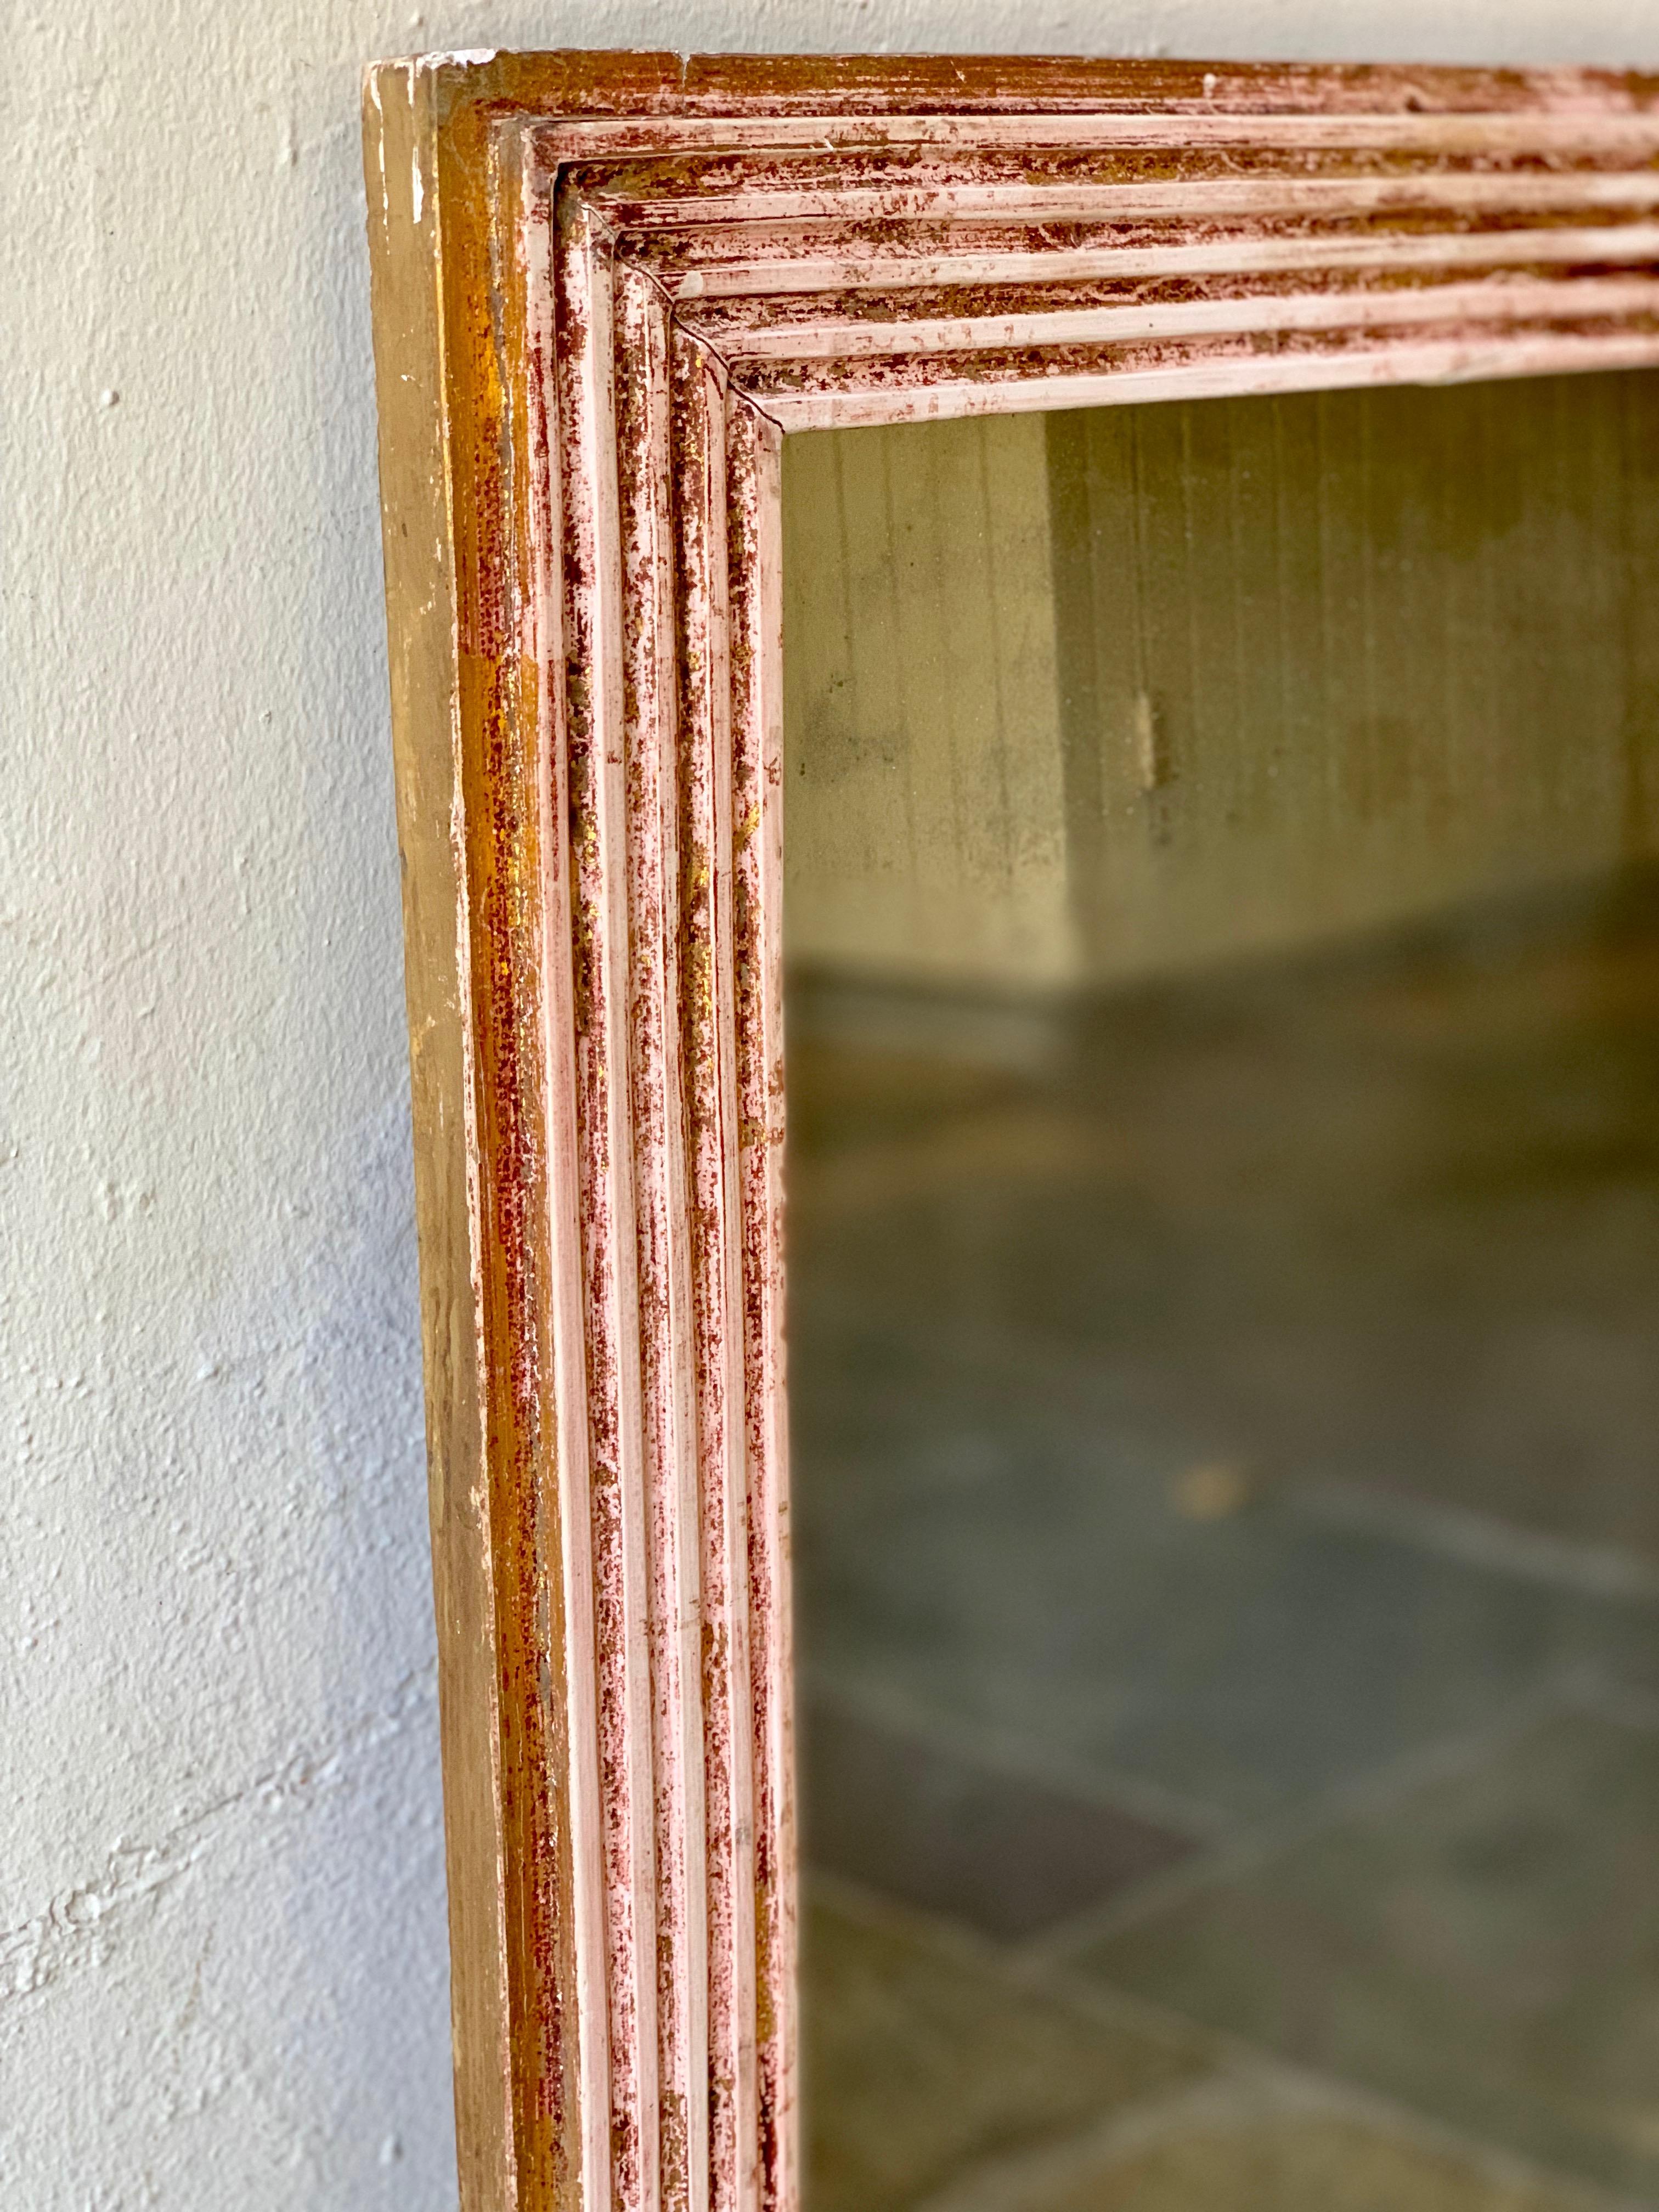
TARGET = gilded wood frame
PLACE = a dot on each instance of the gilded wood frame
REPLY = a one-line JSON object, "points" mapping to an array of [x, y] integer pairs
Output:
{"points": [[606, 286]]}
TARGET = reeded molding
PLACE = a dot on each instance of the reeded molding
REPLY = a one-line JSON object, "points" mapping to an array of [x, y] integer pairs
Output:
{"points": [[606, 286]]}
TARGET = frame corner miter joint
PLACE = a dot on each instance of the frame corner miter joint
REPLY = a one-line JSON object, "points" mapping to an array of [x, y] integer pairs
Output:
{"points": [[605, 285]]}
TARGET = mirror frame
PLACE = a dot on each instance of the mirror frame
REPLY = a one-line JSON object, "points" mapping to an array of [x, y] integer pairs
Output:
{"points": [[606, 286]]}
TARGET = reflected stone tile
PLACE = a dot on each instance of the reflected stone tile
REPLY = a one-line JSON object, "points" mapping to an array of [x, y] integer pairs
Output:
{"points": [[1385, 1215], [1018, 1571], [1236, 2146], [920, 2058], [1485, 1950], [915, 1820], [1298, 2166]]}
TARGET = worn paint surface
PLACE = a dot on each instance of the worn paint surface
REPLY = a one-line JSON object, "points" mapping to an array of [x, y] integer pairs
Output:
{"points": [[966, 237]]}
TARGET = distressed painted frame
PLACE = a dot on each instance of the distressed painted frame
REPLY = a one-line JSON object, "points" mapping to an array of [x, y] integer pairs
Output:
{"points": [[606, 286]]}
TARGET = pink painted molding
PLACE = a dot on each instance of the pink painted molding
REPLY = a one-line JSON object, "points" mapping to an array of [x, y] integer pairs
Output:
{"points": [[606, 288]]}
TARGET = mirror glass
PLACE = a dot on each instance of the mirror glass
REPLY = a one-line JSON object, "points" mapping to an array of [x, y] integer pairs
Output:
{"points": [[1223, 1041]]}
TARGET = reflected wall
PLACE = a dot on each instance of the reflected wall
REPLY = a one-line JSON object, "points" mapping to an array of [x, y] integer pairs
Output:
{"points": [[1073, 696]]}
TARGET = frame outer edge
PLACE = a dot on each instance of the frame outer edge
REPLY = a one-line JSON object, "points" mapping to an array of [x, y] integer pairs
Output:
{"points": [[519, 1343], [418, 551]]}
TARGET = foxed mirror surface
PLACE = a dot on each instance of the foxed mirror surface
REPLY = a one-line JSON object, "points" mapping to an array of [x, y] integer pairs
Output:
{"points": [[1222, 1034]]}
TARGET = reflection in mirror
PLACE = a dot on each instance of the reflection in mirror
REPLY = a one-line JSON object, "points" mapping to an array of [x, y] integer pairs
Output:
{"points": [[1224, 1182]]}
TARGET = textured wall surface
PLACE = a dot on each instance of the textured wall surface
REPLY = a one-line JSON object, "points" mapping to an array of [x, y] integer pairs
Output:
{"points": [[221, 1947]]}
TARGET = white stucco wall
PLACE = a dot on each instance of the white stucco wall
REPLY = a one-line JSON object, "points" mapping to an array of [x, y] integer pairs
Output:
{"points": [[222, 1938]]}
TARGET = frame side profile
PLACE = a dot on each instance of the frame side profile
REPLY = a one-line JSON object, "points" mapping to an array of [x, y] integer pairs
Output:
{"points": [[604, 289], [425, 667]]}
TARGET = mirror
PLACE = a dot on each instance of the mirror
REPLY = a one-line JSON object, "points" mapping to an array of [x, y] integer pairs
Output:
{"points": [[1223, 927]]}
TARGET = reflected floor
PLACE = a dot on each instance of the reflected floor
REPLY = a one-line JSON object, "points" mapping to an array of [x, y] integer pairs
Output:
{"points": [[1228, 1548]]}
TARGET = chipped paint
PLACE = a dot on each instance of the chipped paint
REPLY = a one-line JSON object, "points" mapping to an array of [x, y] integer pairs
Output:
{"points": [[696, 254]]}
